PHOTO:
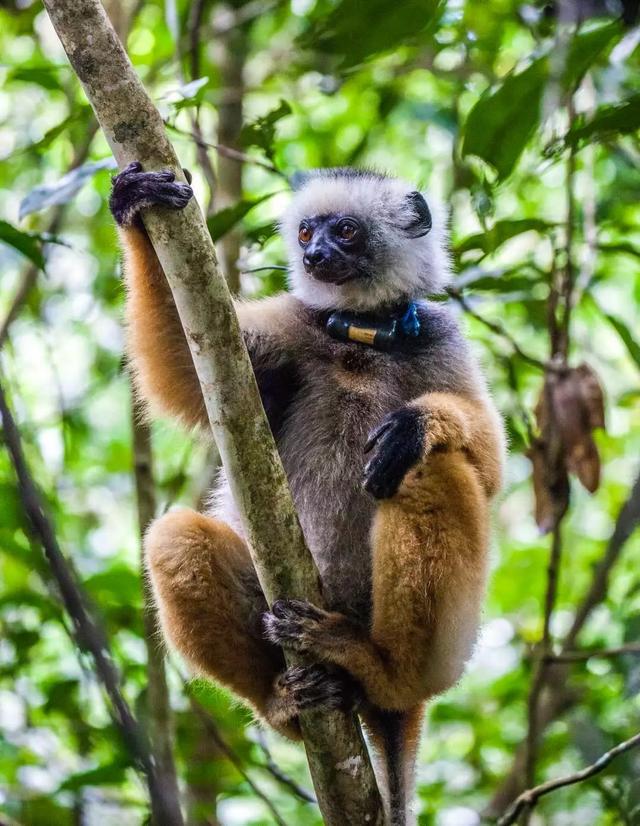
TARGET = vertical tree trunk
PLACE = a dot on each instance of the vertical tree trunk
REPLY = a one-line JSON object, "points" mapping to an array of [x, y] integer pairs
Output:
{"points": [[337, 755], [230, 55], [158, 707]]}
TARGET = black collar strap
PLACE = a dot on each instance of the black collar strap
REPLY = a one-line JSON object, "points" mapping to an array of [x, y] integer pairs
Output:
{"points": [[396, 330]]}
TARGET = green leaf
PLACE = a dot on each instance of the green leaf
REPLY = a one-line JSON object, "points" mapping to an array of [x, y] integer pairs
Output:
{"points": [[46, 75], [606, 122], [28, 244], [111, 774], [625, 334], [221, 222], [501, 123], [505, 118], [357, 31], [584, 49], [262, 131], [501, 231], [188, 95]]}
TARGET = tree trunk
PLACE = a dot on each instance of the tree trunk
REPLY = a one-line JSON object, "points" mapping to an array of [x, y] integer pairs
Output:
{"points": [[337, 755]]}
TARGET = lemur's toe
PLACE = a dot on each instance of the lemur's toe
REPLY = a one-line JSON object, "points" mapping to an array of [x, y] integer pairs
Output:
{"points": [[134, 190]]}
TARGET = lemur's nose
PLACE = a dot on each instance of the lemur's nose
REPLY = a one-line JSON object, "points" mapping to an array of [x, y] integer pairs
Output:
{"points": [[312, 258]]}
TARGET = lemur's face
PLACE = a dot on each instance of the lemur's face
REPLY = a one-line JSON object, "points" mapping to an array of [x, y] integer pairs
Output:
{"points": [[335, 248], [359, 240]]}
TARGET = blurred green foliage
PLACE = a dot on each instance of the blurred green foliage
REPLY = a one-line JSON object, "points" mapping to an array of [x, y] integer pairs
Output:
{"points": [[466, 98]]}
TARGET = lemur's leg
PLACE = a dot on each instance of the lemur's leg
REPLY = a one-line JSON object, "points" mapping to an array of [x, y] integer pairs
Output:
{"points": [[434, 465], [157, 348], [210, 604]]}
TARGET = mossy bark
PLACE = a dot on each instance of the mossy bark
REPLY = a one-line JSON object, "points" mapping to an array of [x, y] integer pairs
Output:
{"points": [[337, 755]]}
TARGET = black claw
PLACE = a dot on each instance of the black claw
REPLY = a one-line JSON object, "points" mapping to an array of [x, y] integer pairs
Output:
{"points": [[397, 445], [134, 190]]}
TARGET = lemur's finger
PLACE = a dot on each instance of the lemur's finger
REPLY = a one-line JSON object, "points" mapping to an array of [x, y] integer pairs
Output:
{"points": [[377, 432]]}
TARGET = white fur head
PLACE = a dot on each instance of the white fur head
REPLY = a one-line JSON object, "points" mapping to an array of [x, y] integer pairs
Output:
{"points": [[401, 238]]}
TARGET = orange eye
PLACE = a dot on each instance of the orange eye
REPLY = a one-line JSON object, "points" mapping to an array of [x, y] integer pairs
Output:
{"points": [[304, 234], [347, 231]]}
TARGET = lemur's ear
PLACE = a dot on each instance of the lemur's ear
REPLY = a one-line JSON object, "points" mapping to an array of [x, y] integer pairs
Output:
{"points": [[419, 219]]}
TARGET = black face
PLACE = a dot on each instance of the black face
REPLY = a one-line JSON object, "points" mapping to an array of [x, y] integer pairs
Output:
{"points": [[335, 248]]}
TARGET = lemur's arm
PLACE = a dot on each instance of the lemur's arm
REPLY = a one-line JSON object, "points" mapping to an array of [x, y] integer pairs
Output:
{"points": [[434, 464], [157, 347]]}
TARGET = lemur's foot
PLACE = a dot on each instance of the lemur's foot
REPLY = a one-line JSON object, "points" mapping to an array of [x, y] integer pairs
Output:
{"points": [[315, 686], [299, 626], [395, 445], [134, 190], [296, 624]]}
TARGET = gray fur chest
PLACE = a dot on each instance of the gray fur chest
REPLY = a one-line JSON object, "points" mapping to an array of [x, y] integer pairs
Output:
{"points": [[330, 396]]}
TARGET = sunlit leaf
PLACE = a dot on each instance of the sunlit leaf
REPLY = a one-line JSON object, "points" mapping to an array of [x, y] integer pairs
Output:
{"points": [[607, 122], [64, 189]]}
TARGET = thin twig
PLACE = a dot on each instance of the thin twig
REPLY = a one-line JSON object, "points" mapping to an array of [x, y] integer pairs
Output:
{"points": [[496, 328], [581, 656], [544, 648], [263, 269], [276, 772], [88, 632], [227, 151], [527, 800]]}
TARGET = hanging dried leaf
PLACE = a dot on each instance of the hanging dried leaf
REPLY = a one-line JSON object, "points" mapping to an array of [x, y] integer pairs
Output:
{"points": [[551, 500], [570, 407]]}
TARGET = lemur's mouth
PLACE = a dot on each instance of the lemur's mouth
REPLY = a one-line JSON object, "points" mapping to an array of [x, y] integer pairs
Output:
{"points": [[329, 275]]}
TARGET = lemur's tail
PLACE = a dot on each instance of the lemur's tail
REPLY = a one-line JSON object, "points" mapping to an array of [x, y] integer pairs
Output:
{"points": [[395, 736]]}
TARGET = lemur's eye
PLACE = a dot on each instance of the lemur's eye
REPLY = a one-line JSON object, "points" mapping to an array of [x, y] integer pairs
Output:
{"points": [[304, 233], [347, 230]]}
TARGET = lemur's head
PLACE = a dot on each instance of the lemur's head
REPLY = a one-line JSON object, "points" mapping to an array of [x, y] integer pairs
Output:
{"points": [[359, 240]]}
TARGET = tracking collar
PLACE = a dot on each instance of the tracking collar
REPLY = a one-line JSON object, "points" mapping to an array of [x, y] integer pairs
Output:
{"points": [[397, 330]]}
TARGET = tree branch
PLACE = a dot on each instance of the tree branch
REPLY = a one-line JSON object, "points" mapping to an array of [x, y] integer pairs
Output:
{"points": [[581, 656], [528, 799], [135, 131], [88, 633], [496, 328]]}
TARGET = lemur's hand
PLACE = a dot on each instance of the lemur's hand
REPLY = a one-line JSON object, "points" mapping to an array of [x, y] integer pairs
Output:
{"points": [[395, 446], [134, 190]]}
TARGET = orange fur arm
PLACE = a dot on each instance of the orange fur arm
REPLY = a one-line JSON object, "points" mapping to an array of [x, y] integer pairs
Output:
{"points": [[470, 425], [158, 351]]}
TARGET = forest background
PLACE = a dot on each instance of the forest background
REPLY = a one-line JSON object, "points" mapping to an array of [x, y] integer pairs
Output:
{"points": [[524, 120]]}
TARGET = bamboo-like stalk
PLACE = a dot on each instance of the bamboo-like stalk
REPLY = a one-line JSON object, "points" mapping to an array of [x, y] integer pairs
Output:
{"points": [[337, 755]]}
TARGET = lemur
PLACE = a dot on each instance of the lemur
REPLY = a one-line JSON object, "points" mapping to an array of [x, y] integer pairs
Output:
{"points": [[391, 445]]}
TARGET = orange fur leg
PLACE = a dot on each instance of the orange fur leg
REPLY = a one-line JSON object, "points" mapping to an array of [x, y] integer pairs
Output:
{"points": [[210, 604], [429, 566]]}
